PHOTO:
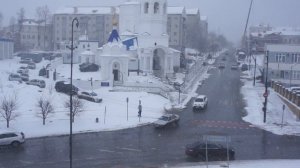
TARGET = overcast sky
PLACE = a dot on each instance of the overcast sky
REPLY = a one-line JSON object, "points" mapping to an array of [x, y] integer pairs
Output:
{"points": [[227, 17]]}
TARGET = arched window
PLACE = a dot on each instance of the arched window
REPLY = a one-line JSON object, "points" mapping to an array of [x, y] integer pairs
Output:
{"points": [[146, 7], [165, 8], [156, 7]]}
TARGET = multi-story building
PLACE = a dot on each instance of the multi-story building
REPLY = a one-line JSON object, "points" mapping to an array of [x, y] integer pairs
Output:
{"points": [[268, 35], [204, 26], [35, 35], [193, 27], [96, 22], [6, 48], [283, 63], [176, 27]]}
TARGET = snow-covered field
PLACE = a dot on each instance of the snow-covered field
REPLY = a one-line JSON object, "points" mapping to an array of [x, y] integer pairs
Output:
{"points": [[249, 164], [115, 104], [253, 96]]}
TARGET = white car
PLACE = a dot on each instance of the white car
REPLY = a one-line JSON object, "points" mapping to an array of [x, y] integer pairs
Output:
{"points": [[165, 120], [200, 102], [14, 139], [89, 97]]}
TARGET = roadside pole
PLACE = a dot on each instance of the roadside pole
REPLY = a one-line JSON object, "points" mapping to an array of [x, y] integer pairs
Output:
{"points": [[127, 100], [104, 114], [283, 108]]}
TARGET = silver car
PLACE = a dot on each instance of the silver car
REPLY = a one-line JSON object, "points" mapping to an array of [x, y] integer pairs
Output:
{"points": [[166, 120], [15, 77], [14, 139]]}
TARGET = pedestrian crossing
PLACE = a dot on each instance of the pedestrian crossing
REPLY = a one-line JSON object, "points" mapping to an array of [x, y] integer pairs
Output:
{"points": [[222, 124]]}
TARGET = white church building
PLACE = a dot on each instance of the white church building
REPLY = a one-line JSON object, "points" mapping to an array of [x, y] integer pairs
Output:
{"points": [[146, 21], [141, 45]]}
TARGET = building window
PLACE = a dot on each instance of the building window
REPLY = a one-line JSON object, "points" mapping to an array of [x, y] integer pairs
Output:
{"points": [[146, 7], [156, 7]]}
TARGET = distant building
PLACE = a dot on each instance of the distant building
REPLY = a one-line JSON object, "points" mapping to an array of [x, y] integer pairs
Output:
{"points": [[204, 26], [6, 48], [284, 63], [176, 27], [95, 21], [193, 28], [266, 35], [35, 35]]}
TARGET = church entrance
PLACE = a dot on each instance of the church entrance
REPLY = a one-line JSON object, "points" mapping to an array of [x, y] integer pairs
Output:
{"points": [[158, 62], [116, 72]]}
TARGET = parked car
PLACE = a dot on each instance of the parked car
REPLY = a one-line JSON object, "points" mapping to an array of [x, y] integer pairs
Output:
{"points": [[223, 58], [214, 151], [24, 77], [88, 67], [200, 102], [166, 120], [221, 66], [295, 89], [62, 87], [23, 70], [31, 65], [25, 60], [244, 67], [43, 72], [89, 97], [15, 77], [234, 67], [37, 82], [14, 139]]}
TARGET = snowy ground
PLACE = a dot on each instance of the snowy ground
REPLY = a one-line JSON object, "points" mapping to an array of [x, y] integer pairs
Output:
{"points": [[248, 164], [58, 123], [253, 96]]}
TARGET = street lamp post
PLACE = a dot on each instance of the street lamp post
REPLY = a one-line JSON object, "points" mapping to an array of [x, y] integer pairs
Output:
{"points": [[72, 48], [266, 88]]}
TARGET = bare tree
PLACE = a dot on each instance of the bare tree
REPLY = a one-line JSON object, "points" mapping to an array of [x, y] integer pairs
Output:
{"points": [[45, 108], [43, 15], [77, 106], [8, 107]]}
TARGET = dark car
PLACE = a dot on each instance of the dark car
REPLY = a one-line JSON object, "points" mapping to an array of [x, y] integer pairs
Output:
{"points": [[214, 151], [37, 82], [88, 67], [62, 87], [244, 67]]}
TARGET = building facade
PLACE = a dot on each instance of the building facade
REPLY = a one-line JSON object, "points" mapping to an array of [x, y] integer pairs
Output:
{"points": [[284, 63], [6, 48], [176, 27], [97, 22], [35, 35]]}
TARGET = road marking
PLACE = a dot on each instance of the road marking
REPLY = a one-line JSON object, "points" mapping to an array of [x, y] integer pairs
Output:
{"points": [[131, 149], [104, 150]]}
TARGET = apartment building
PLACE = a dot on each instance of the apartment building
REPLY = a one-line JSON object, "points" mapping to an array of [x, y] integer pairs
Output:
{"points": [[176, 27], [6, 48], [284, 63], [96, 22], [35, 35]]}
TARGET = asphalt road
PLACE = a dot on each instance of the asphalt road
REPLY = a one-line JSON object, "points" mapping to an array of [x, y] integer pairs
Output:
{"points": [[149, 147]]}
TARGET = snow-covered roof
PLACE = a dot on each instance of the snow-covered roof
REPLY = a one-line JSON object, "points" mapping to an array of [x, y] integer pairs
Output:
{"points": [[282, 48], [194, 11], [87, 52], [287, 31], [29, 23], [131, 3], [176, 10], [87, 10]]}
